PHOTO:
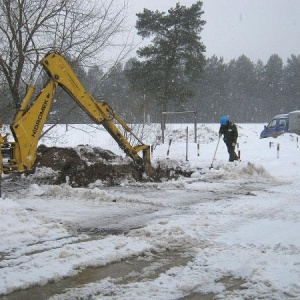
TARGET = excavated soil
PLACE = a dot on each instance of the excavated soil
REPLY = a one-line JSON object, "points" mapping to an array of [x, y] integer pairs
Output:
{"points": [[84, 165]]}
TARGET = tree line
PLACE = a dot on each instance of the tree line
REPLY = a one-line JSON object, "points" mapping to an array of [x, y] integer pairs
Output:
{"points": [[247, 91], [242, 89]]}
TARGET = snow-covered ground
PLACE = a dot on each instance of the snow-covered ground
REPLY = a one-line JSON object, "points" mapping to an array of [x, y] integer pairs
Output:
{"points": [[237, 222]]}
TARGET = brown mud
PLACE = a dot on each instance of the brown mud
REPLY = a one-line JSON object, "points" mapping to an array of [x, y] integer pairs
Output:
{"points": [[84, 165]]}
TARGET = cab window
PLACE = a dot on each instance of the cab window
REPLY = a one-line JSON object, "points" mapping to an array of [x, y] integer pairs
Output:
{"points": [[272, 124], [282, 123]]}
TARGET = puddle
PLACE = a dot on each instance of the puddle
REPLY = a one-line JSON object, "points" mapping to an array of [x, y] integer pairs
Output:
{"points": [[131, 270], [197, 296], [232, 284]]}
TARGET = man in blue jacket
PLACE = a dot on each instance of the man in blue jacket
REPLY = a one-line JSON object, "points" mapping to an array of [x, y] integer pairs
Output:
{"points": [[230, 135]]}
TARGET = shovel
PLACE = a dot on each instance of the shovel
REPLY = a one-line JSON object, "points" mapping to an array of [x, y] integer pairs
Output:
{"points": [[211, 166]]}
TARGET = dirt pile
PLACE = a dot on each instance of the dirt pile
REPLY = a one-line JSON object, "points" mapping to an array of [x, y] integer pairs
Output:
{"points": [[84, 165]]}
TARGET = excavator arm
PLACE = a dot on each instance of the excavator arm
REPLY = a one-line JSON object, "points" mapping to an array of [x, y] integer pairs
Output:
{"points": [[30, 119]]}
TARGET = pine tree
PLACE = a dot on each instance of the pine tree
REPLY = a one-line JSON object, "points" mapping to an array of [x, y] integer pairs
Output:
{"points": [[274, 84], [213, 89], [175, 57], [292, 83]]}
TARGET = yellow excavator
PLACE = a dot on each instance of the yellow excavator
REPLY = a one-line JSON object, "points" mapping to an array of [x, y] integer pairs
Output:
{"points": [[30, 119]]}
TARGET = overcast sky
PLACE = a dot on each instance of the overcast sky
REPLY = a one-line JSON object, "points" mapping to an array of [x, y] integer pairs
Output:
{"points": [[256, 28]]}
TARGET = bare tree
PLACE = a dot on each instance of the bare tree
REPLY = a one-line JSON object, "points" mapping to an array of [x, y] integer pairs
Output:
{"points": [[81, 29]]}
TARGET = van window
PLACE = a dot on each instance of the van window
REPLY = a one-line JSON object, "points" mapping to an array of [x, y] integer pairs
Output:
{"points": [[272, 124], [282, 123]]}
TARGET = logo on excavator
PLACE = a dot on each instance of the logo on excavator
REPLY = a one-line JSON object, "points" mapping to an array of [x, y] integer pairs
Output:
{"points": [[40, 116]]}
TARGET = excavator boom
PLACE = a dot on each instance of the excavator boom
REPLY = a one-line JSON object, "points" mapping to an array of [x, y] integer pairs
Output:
{"points": [[30, 119]]}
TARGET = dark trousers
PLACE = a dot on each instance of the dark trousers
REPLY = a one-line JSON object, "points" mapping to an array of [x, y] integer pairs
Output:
{"points": [[232, 154]]}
